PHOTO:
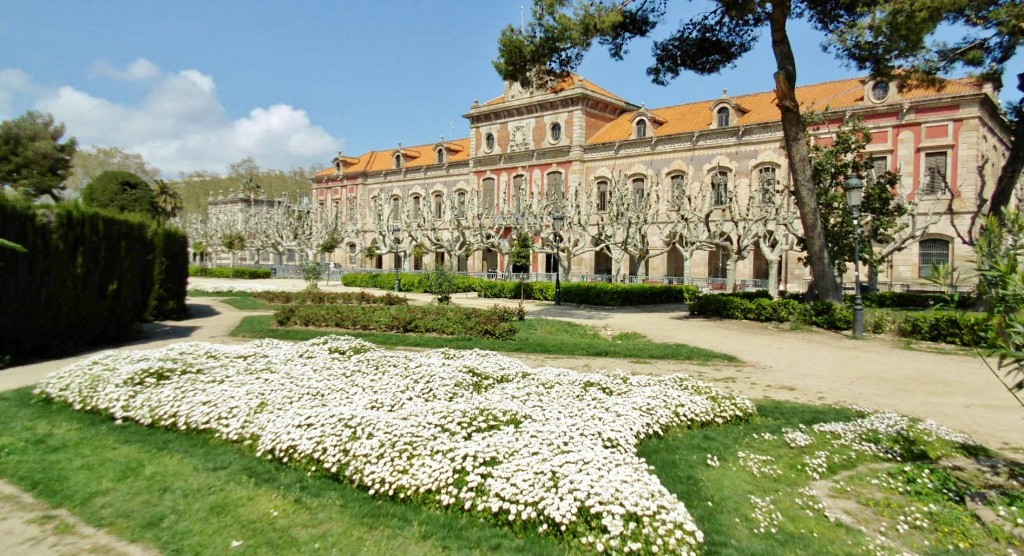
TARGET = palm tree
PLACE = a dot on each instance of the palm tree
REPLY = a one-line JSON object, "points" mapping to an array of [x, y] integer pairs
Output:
{"points": [[167, 199]]}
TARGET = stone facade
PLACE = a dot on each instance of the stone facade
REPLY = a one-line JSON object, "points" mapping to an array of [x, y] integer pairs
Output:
{"points": [[947, 145]]}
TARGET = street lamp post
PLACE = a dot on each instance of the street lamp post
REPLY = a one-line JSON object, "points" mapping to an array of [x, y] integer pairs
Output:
{"points": [[395, 231], [557, 219], [854, 188]]}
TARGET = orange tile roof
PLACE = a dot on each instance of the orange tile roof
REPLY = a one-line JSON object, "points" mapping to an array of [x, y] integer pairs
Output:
{"points": [[761, 107], [565, 84], [419, 156]]}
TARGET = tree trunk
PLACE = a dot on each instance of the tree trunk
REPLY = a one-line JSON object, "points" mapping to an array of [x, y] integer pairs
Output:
{"points": [[773, 278], [687, 267], [798, 153], [1014, 165], [730, 272]]}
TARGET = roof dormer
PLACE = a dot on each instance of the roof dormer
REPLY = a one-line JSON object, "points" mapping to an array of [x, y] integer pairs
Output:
{"points": [[444, 150], [645, 123], [341, 162], [725, 112], [403, 156], [880, 91]]}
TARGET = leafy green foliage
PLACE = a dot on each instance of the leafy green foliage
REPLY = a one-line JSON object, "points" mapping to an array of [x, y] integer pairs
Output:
{"points": [[320, 297], [821, 314], [86, 278], [120, 191], [196, 188], [229, 272], [312, 272], [522, 251], [87, 164], [33, 161], [446, 320], [880, 210], [168, 200], [441, 282], [1000, 251]]}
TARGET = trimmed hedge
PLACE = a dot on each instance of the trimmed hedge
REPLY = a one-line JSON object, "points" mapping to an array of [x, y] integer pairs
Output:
{"points": [[320, 297], [748, 306], [907, 300], [445, 320], [580, 293], [87, 278], [229, 272], [947, 327]]}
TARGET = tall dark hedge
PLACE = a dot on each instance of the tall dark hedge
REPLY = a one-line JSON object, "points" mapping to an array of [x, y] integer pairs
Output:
{"points": [[87, 277]]}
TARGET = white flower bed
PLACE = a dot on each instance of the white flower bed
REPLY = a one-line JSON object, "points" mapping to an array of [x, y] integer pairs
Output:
{"points": [[549, 448], [234, 287]]}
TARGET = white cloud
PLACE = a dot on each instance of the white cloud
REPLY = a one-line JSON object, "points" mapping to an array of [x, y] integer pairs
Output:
{"points": [[180, 125], [139, 70]]}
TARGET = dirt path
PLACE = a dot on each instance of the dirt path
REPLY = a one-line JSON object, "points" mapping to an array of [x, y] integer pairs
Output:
{"points": [[957, 390]]}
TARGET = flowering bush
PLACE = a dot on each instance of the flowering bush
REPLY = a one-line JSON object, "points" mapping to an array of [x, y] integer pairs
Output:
{"points": [[475, 431]]}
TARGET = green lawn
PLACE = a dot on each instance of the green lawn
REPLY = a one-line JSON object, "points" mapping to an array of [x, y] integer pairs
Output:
{"points": [[191, 494], [249, 303], [535, 336]]}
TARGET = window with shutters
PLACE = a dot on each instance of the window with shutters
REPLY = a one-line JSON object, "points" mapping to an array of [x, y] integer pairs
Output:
{"points": [[934, 180], [931, 252]]}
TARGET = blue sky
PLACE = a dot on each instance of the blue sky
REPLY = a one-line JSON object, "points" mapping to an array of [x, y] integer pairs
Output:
{"points": [[200, 84]]}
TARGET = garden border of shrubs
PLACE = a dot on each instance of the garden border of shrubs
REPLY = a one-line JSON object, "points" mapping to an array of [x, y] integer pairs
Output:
{"points": [[444, 320], [244, 273], [578, 293], [948, 327], [320, 297]]}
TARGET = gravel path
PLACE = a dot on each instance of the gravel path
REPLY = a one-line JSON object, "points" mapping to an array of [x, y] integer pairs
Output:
{"points": [[954, 388]]}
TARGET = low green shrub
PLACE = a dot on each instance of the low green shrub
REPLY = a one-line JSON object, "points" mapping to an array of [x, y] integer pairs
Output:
{"points": [[830, 316], [229, 272], [961, 329], [908, 300], [590, 293], [320, 297], [444, 320]]}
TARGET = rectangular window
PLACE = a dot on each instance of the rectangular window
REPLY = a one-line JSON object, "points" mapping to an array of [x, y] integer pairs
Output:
{"points": [[934, 179], [488, 195], [931, 252], [396, 209], [720, 189], [879, 166], [678, 189], [415, 208], [602, 196], [638, 193], [351, 209], [518, 191], [554, 186], [438, 206]]}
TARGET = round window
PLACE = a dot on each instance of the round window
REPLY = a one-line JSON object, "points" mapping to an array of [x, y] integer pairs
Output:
{"points": [[556, 132], [880, 91], [489, 142]]}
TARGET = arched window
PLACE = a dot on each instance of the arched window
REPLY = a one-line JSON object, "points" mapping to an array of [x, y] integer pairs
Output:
{"points": [[489, 142], [518, 191], [556, 132], [396, 209], [398, 160], [487, 195], [352, 254], [602, 196], [767, 181], [720, 188], [641, 128], [438, 205], [416, 202], [723, 116], [678, 192], [460, 204], [931, 252], [554, 185], [440, 155], [637, 186]]}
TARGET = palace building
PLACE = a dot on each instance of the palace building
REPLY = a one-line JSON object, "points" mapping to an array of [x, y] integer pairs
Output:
{"points": [[575, 141]]}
